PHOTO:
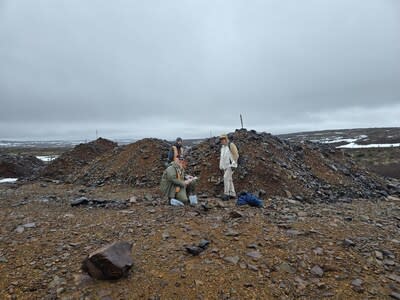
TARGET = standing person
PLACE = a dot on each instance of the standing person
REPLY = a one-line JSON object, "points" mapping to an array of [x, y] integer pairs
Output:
{"points": [[228, 160], [176, 151], [173, 184]]}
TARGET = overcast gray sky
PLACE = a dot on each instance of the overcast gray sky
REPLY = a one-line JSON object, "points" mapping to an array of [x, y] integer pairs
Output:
{"points": [[133, 69]]}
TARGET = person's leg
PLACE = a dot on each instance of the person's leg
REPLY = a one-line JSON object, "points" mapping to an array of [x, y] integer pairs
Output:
{"points": [[226, 182], [231, 188], [182, 196]]}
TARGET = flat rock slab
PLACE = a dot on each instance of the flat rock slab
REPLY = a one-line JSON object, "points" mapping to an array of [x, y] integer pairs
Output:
{"points": [[232, 259], [110, 262]]}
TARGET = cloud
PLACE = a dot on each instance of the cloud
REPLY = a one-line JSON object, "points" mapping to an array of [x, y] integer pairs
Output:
{"points": [[160, 67]]}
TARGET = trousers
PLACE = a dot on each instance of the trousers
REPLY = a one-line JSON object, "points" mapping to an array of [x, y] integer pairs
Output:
{"points": [[229, 188]]}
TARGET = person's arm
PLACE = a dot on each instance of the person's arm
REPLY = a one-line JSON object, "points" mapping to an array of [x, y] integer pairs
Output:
{"points": [[171, 176], [175, 152]]}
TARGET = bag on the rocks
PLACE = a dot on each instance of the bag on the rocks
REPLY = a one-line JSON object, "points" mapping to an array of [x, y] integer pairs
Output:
{"points": [[250, 199]]}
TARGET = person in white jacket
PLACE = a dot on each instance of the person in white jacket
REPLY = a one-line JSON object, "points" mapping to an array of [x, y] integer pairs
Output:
{"points": [[228, 160]]}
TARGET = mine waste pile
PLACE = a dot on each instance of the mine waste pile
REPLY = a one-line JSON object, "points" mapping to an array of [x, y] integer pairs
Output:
{"points": [[80, 156], [19, 166], [268, 166]]}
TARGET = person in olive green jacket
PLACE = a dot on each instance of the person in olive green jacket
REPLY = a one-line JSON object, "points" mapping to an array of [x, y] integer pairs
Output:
{"points": [[173, 184]]}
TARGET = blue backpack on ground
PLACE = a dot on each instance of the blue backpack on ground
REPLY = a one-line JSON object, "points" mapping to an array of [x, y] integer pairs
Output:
{"points": [[250, 199]]}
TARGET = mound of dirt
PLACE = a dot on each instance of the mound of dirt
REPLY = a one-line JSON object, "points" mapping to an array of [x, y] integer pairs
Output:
{"points": [[140, 164], [268, 165], [277, 167], [74, 160], [19, 166]]}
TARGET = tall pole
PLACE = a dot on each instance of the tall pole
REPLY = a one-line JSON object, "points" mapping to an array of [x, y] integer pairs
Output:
{"points": [[241, 120]]}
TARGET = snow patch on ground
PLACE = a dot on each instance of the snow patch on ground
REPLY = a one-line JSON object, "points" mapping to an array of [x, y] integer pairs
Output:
{"points": [[47, 158], [8, 180], [356, 146], [340, 139]]}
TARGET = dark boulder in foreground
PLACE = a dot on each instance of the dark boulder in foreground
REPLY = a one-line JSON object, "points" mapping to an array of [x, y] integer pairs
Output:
{"points": [[110, 262]]}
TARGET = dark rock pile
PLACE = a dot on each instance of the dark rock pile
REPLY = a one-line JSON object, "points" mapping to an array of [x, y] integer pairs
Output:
{"points": [[268, 166], [74, 160], [303, 171], [19, 166], [140, 164]]}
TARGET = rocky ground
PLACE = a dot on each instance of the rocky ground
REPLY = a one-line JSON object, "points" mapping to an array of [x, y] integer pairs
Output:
{"points": [[289, 249]]}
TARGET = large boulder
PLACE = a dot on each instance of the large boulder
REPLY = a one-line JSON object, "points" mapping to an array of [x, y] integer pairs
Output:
{"points": [[110, 262]]}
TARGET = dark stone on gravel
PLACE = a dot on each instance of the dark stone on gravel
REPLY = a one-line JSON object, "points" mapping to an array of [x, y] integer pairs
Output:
{"points": [[194, 250], [204, 244], [317, 270], [235, 214], [348, 243], [395, 295], [80, 201], [110, 262], [357, 285], [232, 259]]}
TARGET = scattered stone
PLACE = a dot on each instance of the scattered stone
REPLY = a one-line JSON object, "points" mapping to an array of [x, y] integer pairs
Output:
{"points": [[254, 255], [357, 285], [394, 277], [29, 225], [388, 262], [20, 229], [148, 197], [395, 295], [243, 265], [318, 251], [393, 198], [348, 243], [252, 246], [285, 267], [302, 214], [235, 214], [79, 201], [252, 267], [204, 244], [317, 270], [82, 280], [110, 262], [232, 259], [3, 259], [196, 250], [294, 232], [379, 255], [56, 282], [231, 232]]}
